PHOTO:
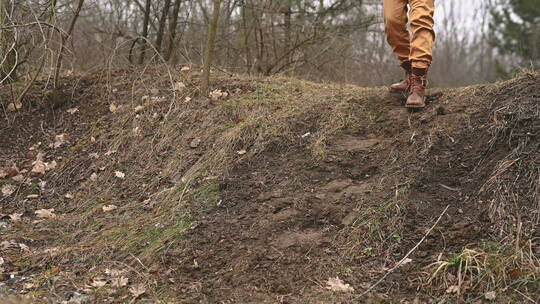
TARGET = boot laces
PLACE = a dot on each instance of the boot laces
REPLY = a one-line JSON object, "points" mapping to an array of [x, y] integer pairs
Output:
{"points": [[417, 83]]}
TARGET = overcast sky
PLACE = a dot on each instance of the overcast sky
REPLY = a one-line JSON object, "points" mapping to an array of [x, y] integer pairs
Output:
{"points": [[467, 13]]}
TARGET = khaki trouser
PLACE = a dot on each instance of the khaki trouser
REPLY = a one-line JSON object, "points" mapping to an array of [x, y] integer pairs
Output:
{"points": [[416, 46]]}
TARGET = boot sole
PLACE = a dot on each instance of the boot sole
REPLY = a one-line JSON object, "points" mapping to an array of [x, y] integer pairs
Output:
{"points": [[419, 106]]}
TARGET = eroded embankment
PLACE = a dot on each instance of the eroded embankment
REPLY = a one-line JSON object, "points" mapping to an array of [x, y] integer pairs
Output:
{"points": [[269, 190]]}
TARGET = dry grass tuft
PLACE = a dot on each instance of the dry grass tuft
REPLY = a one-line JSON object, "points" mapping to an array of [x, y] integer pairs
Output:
{"points": [[494, 267]]}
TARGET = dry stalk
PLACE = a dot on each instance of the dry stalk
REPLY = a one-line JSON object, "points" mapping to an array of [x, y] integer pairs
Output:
{"points": [[407, 255]]}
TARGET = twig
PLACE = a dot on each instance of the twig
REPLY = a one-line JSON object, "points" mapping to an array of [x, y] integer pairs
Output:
{"points": [[524, 295], [138, 260], [39, 23], [407, 255]]}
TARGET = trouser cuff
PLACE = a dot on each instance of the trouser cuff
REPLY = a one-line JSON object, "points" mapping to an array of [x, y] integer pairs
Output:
{"points": [[421, 64]]}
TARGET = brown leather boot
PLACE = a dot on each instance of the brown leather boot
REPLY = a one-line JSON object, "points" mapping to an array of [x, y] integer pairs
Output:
{"points": [[417, 90], [404, 84]]}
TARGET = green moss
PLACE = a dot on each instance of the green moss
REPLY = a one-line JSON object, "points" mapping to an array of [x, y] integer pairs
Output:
{"points": [[158, 238], [205, 196]]}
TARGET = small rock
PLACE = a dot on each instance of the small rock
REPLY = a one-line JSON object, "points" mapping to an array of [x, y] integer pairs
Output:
{"points": [[195, 142], [76, 298]]}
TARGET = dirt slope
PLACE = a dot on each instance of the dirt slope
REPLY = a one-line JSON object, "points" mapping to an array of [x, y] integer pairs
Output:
{"points": [[269, 190]]}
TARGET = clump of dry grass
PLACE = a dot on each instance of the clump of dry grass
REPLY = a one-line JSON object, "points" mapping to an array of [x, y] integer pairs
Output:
{"points": [[495, 267]]}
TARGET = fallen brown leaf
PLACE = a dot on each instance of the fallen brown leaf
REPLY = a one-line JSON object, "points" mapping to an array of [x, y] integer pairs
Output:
{"points": [[109, 208], [336, 284], [119, 281], [8, 189], [137, 290], [45, 213]]}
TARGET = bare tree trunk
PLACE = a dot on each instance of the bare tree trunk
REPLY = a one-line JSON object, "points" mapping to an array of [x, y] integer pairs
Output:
{"points": [[8, 62], [288, 27], [172, 29], [145, 31], [64, 40], [210, 44], [162, 21], [246, 31]]}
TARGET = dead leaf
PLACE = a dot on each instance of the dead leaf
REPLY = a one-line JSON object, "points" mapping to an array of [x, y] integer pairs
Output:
{"points": [[119, 174], [98, 282], [18, 178], [54, 251], [45, 213], [185, 68], [119, 281], [187, 99], [491, 295], [15, 217], [336, 284], [28, 286], [35, 146], [109, 208], [8, 244], [1, 261], [241, 152], [60, 140], [217, 94], [69, 196], [406, 261], [113, 108], [39, 166], [179, 86], [452, 289], [30, 196], [137, 290], [93, 177], [14, 106], [8, 189], [24, 247], [51, 165], [14, 171], [114, 272], [110, 152], [139, 108], [72, 111]]}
